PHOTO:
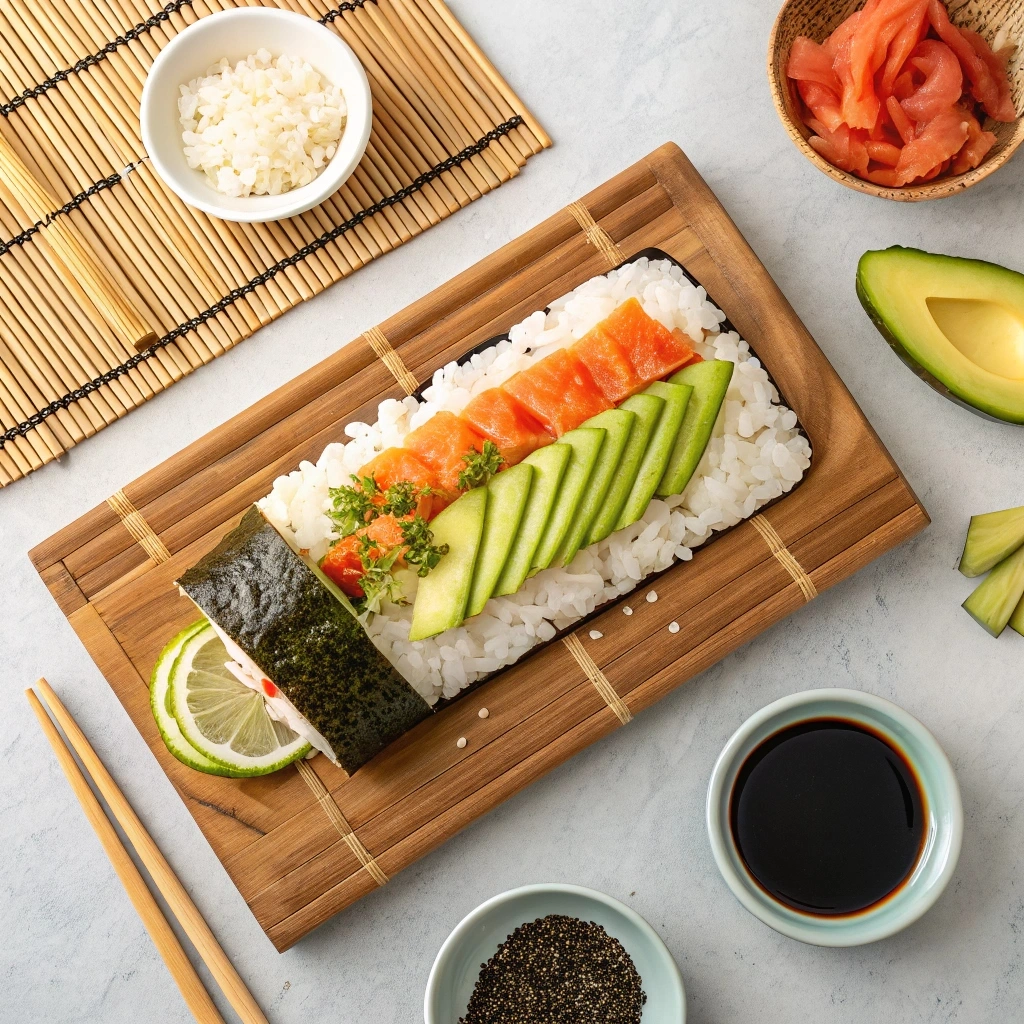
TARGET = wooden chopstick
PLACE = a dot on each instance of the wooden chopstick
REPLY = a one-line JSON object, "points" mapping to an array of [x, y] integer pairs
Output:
{"points": [[178, 900]]}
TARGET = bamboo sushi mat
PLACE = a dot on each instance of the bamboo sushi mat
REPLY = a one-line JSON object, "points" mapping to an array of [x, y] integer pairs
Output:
{"points": [[159, 288]]}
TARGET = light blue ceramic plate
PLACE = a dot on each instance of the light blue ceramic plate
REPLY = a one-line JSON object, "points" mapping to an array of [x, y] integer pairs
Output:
{"points": [[944, 820], [477, 936]]}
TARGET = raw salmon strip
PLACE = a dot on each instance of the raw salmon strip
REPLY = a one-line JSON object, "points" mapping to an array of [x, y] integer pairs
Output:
{"points": [[441, 443], [609, 365], [395, 465], [342, 563], [496, 415], [975, 148], [653, 350], [559, 391], [943, 84], [939, 140]]}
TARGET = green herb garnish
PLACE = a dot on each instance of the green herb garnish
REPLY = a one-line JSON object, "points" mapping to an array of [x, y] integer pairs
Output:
{"points": [[401, 499], [480, 466], [377, 580], [353, 506], [421, 550]]}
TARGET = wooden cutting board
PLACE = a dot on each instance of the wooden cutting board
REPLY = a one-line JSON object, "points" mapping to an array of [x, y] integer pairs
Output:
{"points": [[303, 844]]}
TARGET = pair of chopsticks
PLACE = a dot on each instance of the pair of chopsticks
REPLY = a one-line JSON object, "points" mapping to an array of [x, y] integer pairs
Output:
{"points": [[178, 900]]}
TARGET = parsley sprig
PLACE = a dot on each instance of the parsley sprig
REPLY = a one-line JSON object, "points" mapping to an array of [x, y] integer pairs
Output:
{"points": [[421, 550], [355, 505], [480, 466]]}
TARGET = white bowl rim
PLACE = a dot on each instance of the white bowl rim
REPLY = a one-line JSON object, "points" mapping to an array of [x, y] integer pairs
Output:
{"points": [[674, 976], [846, 931], [295, 201]]}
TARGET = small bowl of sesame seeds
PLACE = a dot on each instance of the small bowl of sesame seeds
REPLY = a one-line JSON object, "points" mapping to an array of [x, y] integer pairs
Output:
{"points": [[545, 952]]}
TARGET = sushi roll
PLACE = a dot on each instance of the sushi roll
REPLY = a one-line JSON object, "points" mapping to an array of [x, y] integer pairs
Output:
{"points": [[300, 645]]}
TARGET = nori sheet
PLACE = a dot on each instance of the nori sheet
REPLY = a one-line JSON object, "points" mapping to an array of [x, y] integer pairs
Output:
{"points": [[265, 597]]}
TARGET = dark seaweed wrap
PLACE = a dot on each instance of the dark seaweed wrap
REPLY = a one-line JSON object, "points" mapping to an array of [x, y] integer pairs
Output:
{"points": [[272, 604]]}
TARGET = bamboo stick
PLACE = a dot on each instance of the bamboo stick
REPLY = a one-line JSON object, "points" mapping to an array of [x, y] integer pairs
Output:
{"points": [[178, 899], [166, 942], [70, 257]]}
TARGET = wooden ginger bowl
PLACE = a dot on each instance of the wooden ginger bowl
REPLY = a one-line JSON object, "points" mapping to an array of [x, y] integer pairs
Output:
{"points": [[816, 19]]}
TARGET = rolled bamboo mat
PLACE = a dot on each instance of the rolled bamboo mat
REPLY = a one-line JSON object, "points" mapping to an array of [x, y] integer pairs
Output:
{"points": [[97, 256]]}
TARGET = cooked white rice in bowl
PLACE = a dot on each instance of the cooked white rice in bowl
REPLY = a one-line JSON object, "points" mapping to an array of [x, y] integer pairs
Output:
{"points": [[756, 454], [261, 127]]}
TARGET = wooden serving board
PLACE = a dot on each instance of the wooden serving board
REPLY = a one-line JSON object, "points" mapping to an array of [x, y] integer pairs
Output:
{"points": [[290, 850]]}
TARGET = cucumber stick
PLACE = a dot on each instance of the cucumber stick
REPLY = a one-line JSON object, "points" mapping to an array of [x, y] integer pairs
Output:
{"points": [[442, 596], [506, 501], [994, 601]]}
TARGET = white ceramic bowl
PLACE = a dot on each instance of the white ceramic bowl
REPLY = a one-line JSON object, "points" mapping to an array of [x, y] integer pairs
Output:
{"points": [[475, 940], [236, 34], [944, 819]]}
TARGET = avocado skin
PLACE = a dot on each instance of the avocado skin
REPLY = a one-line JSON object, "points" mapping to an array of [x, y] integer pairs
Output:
{"points": [[897, 346], [271, 604]]}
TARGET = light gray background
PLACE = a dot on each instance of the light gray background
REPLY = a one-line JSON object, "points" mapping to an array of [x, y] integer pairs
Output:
{"points": [[610, 81]]}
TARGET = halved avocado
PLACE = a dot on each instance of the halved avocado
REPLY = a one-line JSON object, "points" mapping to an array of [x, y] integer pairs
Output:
{"points": [[958, 323]]}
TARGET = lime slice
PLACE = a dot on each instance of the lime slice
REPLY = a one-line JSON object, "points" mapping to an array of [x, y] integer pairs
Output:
{"points": [[159, 694], [224, 720]]}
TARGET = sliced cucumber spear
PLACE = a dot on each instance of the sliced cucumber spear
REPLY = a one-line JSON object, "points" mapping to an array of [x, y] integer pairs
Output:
{"points": [[990, 539], [710, 381], [442, 596], [549, 467], [648, 409], [993, 603], [618, 423], [659, 450], [585, 444], [506, 502]]}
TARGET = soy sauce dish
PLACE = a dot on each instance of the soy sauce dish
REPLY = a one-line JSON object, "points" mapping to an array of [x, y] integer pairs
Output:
{"points": [[834, 817]]}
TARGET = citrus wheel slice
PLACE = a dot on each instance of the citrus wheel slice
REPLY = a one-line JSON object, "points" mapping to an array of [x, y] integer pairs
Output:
{"points": [[170, 731], [226, 721]]}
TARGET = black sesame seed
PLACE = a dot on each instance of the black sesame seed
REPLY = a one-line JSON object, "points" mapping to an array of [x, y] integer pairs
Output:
{"points": [[557, 970]]}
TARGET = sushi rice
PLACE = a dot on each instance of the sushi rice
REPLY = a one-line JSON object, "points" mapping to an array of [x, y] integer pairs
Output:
{"points": [[755, 454]]}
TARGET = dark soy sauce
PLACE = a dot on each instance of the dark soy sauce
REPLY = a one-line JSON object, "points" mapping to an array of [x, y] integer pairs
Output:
{"points": [[828, 817]]}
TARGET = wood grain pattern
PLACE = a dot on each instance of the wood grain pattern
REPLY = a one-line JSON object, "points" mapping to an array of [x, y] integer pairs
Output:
{"points": [[283, 852], [1001, 20]]}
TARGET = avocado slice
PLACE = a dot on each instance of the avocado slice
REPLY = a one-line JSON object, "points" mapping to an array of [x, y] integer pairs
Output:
{"points": [[659, 450], [618, 423], [506, 502], [993, 603], [958, 323], [710, 382], [1016, 622], [548, 465], [584, 445], [990, 539], [648, 409], [442, 596]]}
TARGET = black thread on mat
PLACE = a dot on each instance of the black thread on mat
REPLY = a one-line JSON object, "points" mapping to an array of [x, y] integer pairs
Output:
{"points": [[93, 59], [250, 286], [349, 5], [71, 204]]}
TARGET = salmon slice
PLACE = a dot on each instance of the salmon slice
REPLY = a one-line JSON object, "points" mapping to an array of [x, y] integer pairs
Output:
{"points": [[496, 415], [811, 62], [943, 82], [883, 152], [903, 124], [559, 391], [990, 90], [441, 444], [608, 364], [975, 148], [397, 465], [343, 565], [997, 63], [901, 48], [844, 147], [653, 350], [822, 103], [937, 141]]}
